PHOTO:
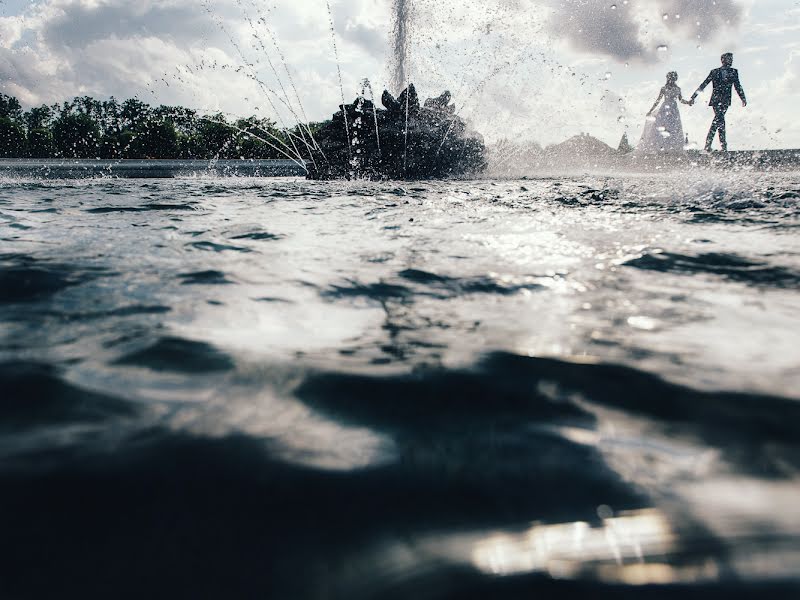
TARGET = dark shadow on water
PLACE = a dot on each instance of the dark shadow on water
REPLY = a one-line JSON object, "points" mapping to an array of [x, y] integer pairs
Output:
{"points": [[211, 246], [164, 513], [373, 291], [35, 395], [123, 311], [272, 300], [144, 208], [259, 236], [179, 355], [27, 279], [204, 278], [728, 266], [426, 284]]}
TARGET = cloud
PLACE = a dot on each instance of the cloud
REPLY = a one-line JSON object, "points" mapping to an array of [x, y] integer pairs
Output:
{"points": [[789, 82], [594, 26], [632, 31], [10, 31], [78, 23], [355, 23], [180, 52], [369, 38], [699, 19]]}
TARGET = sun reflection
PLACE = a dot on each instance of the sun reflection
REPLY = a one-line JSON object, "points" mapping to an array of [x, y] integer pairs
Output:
{"points": [[564, 550]]}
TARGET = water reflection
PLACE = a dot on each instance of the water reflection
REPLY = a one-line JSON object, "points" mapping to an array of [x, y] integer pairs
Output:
{"points": [[566, 550]]}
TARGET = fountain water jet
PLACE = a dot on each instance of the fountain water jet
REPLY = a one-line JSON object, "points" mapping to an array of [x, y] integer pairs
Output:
{"points": [[401, 15]]}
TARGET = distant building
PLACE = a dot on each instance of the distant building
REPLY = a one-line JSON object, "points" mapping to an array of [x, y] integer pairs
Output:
{"points": [[624, 145]]}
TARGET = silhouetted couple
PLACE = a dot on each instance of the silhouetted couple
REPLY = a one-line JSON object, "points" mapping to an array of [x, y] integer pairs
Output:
{"points": [[664, 132]]}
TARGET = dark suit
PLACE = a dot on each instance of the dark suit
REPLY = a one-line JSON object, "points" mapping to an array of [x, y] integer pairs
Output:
{"points": [[722, 81]]}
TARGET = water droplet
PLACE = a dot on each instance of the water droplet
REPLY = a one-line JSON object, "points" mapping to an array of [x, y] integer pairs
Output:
{"points": [[613, 7], [662, 48], [665, 16], [620, 119], [608, 74], [604, 511]]}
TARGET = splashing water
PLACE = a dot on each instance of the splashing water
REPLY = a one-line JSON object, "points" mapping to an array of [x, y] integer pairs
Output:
{"points": [[367, 86], [339, 71]]}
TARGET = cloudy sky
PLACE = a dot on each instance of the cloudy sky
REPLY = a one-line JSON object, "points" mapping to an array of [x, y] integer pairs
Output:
{"points": [[523, 69]]}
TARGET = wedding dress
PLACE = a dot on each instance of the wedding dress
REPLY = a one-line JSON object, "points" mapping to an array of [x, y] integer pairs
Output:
{"points": [[663, 131]]}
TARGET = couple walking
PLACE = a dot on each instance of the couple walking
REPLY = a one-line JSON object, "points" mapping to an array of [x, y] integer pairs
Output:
{"points": [[664, 133]]}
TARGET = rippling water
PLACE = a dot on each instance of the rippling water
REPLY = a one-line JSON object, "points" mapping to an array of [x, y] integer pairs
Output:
{"points": [[275, 388]]}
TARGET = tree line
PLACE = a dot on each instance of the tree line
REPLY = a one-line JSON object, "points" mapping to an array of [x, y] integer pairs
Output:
{"points": [[88, 128]]}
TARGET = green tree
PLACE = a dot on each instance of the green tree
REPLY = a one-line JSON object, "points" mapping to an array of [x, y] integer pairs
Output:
{"points": [[133, 112], [12, 139], [10, 108], [39, 117], [258, 138], [84, 127], [214, 138], [40, 143], [113, 144], [76, 135], [155, 138]]}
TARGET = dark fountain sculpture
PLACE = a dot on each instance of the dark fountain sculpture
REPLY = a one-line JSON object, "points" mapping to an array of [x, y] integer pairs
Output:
{"points": [[401, 141]]}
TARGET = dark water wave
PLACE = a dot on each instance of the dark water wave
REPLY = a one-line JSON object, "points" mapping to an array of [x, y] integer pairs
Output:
{"points": [[204, 516], [24, 278], [35, 396], [213, 247], [122, 311], [178, 355], [204, 278], [100, 210], [428, 285], [259, 236], [728, 266]]}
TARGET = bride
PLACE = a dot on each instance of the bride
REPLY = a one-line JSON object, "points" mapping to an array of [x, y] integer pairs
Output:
{"points": [[664, 132]]}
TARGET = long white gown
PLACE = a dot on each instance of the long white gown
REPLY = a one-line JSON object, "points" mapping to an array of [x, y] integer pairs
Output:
{"points": [[663, 132]]}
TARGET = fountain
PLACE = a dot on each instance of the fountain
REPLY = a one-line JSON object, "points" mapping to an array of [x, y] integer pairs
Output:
{"points": [[402, 140]]}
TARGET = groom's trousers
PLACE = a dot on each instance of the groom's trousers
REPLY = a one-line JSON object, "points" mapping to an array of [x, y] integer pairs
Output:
{"points": [[718, 124]]}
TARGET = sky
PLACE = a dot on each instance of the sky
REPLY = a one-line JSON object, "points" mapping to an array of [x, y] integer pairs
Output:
{"points": [[523, 70]]}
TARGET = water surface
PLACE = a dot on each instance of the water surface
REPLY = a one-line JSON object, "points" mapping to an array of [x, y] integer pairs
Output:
{"points": [[249, 387]]}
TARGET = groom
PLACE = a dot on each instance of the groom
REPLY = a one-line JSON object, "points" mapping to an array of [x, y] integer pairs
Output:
{"points": [[722, 80]]}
